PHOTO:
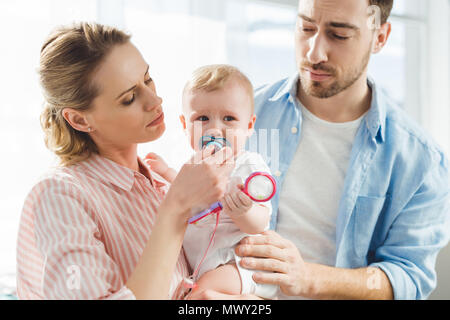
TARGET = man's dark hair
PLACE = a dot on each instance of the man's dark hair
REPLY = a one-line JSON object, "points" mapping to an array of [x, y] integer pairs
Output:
{"points": [[385, 7]]}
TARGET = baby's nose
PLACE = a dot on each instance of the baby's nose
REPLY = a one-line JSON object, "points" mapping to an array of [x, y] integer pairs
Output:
{"points": [[214, 132]]}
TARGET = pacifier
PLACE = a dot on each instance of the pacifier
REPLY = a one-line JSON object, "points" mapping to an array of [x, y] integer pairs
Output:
{"points": [[217, 142]]}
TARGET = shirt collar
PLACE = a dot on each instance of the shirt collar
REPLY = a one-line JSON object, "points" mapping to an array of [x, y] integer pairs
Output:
{"points": [[289, 87], [122, 177], [375, 118], [156, 180]]}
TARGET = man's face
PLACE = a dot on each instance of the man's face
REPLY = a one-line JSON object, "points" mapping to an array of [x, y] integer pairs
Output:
{"points": [[333, 45]]}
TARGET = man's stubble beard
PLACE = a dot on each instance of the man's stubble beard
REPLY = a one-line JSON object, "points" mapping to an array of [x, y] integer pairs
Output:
{"points": [[316, 89]]}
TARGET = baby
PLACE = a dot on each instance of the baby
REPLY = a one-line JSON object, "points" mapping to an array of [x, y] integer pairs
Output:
{"points": [[218, 105]]}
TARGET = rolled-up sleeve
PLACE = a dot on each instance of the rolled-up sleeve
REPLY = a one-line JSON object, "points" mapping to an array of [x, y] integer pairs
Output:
{"points": [[419, 232], [75, 262]]}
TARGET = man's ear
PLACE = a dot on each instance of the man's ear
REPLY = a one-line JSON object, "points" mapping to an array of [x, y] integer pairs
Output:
{"points": [[382, 35], [76, 119], [183, 121]]}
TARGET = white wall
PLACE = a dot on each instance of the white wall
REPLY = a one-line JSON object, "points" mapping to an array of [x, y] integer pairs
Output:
{"points": [[439, 116]]}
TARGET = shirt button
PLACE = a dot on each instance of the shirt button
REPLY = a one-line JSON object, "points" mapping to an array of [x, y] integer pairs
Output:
{"points": [[278, 174], [294, 130]]}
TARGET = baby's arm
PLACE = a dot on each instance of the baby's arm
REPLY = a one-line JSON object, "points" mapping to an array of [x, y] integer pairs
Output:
{"points": [[158, 165], [249, 216]]}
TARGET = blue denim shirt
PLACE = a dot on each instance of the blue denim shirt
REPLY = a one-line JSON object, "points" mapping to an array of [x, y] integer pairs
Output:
{"points": [[395, 208]]}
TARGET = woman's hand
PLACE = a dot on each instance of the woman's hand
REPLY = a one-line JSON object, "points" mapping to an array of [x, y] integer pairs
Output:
{"points": [[201, 181], [271, 252]]}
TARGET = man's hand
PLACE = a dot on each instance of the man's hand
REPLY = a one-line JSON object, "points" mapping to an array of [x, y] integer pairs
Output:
{"points": [[271, 252]]}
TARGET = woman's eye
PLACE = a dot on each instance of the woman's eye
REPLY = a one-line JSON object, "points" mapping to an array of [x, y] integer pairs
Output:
{"points": [[148, 81], [202, 118], [129, 102], [229, 118]]}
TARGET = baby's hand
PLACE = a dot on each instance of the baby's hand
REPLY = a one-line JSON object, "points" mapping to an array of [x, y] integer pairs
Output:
{"points": [[236, 202], [156, 163]]}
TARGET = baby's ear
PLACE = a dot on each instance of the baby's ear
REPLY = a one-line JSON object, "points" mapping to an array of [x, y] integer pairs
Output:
{"points": [[183, 122], [251, 125]]}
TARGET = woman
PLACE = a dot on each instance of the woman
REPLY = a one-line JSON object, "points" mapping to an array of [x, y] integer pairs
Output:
{"points": [[102, 225]]}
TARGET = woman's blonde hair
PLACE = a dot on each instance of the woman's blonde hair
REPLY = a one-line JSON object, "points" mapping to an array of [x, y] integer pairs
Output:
{"points": [[69, 58], [214, 77]]}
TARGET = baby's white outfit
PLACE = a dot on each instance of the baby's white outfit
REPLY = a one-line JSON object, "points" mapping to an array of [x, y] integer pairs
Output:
{"points": [[227, 235]]}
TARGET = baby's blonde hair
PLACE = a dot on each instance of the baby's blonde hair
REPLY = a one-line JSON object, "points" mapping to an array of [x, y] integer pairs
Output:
{"points": [[214, 77], [69, 58]]}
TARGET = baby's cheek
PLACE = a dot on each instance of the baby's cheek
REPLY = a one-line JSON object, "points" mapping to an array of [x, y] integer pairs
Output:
{"points": [[195, 146], [195, 134], [239, 143]]}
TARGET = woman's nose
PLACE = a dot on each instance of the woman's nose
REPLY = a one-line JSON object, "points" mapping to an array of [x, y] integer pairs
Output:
{"points": [[152, 100]]}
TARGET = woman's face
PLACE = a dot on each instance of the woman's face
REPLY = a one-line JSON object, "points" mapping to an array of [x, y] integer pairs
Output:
{"points": [[127, 110]]}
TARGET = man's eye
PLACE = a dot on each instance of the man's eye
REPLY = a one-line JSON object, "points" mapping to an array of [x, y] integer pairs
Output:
{"points": [[307, 30], [339, 37], [202, 118], [129, 102], [229, 118]]}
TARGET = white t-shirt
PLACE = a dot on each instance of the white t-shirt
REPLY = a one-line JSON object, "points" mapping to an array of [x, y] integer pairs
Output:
{"points": [[312, 189]]}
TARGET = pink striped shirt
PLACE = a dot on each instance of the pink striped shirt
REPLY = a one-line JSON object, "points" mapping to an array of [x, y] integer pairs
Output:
{"points": [[83, 229]]}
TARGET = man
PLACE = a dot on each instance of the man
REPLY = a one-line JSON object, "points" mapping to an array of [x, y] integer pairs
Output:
{"points": [[363, 206]]}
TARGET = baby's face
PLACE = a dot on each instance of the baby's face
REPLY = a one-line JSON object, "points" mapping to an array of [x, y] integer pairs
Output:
{"points": [[225, 113]]}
